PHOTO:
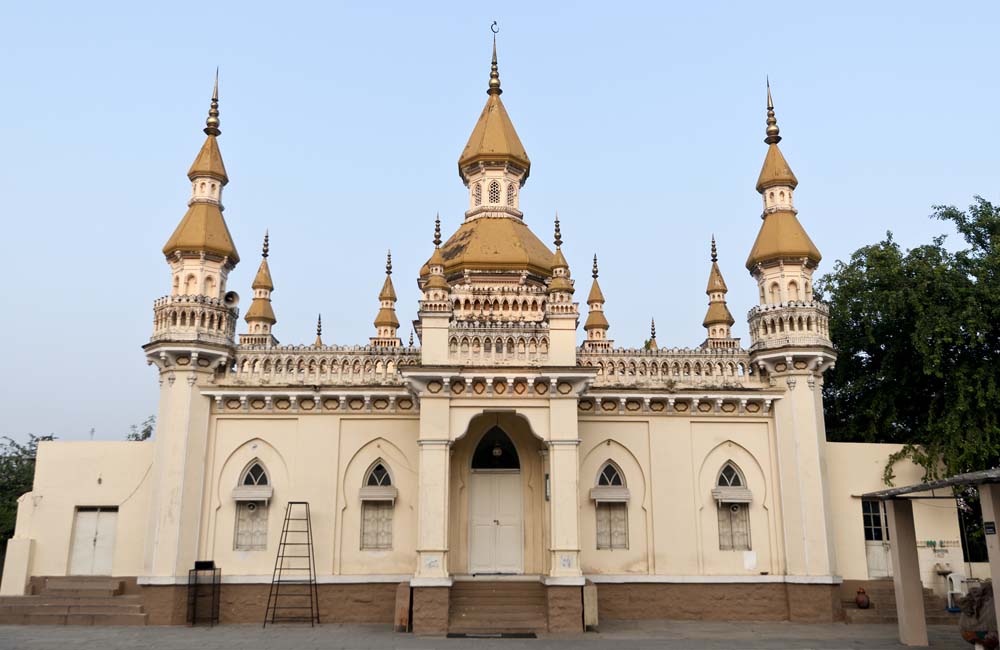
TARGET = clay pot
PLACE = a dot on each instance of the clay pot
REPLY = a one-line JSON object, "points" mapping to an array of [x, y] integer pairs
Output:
{"points": [[862, 600]]}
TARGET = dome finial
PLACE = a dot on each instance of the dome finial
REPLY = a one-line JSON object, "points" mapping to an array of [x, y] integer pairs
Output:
{"points": [[558, 235], [437, 230], [212, 123], [772, 123], [595, 266], [715, 253], [494, 88], [411, 338], [652, 328], [388, 263], [319, 325], [267, 244]]}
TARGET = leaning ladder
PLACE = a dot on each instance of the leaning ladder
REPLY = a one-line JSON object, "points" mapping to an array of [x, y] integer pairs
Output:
{"points": [[294, 597]]}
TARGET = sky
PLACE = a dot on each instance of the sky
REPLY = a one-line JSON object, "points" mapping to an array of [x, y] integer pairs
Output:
{"points": [[342, 124]]}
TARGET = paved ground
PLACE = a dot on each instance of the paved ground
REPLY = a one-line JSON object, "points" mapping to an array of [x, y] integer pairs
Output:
{"points": [[642, 635]]}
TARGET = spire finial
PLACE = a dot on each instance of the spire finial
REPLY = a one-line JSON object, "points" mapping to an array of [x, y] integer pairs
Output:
{"points": [[267, 244], [411, 338], [212, 123], [494, 88], [437, 230], [715, 253], [558, 236], [388, 263], [319, 325], [652, 328], [595, 266], [772, 123]]}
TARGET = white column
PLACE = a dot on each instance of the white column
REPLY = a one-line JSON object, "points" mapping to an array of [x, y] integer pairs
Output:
{"points": [[564, 479], [432, 503], [906, 573], [990, 501]]}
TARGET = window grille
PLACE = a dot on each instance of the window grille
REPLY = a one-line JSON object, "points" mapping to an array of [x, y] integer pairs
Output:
{"points": [[376, 525], [494, 192], [510, 195], [612, 525], [251, 526], [478, 194]]}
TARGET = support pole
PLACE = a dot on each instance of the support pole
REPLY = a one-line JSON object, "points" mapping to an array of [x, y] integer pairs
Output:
{"points": [[989, 495], [906, 574]]}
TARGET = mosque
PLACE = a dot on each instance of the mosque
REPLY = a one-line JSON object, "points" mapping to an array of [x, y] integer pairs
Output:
{"points": [[494, 473]]}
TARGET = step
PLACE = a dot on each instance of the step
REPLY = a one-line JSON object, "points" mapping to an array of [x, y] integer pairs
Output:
{"points": [[84, 583], [48, 608], [73, 619]]}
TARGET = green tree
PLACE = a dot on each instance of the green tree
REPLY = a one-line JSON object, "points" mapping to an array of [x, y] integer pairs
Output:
{"points": [[918, 336], [143, 430], [17, 473]]}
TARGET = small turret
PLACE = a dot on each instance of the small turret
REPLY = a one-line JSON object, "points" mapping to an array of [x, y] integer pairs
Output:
{"points": [[260, 317], [651, 344], [560, 285], [597, 323], [386, 323], [718, 321]]}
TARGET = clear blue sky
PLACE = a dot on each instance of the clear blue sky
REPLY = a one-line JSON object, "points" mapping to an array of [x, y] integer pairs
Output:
{"points": [[342, 124]]}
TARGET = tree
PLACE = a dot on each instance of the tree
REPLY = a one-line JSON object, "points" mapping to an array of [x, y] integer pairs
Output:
{"points": [[918, 336], [144, 430], [17, 473]]}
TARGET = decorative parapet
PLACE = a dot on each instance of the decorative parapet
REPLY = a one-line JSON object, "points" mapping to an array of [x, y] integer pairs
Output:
{"points": [[498, 343], [319, 366], [195, 319], [672, 368], [789, 324]]}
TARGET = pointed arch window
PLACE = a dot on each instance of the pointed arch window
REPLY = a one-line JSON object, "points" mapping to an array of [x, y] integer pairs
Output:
{"points": [[611, 497], [252, 495], [511, 195], [733, 498], [378, 500], [477, 194], [494, 192]]}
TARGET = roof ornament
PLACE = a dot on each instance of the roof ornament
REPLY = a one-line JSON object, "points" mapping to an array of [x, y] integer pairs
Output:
{"points": [[212, 123], [437, 231], [411, 338], [652, 328], [267, 244], [494, 88], [715, 253], [595, 266], [558, 235], [319, 325], [772, 123], [388, 263]]}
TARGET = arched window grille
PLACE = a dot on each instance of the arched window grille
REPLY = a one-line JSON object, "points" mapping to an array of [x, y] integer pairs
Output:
{"points": [[494, 192], [477, 194], [510, 195], [378, 498], [611, 504], [733, 499], [252, 494]]}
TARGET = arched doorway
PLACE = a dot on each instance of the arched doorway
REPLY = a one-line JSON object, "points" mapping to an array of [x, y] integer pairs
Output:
{"points": [[495, 511]]}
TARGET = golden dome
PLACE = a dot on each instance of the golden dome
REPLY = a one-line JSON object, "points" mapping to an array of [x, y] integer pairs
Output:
{"points": [[775, 170], [595, 293], [495, 244], [715, 281], [561, 284], [260, 310], [781, 236], [209, 162], [386, 317], [494, 139], [203, 230], [596, 320], [263, 279], [437, 282]]}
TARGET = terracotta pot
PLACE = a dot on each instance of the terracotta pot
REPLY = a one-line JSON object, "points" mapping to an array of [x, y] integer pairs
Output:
{"points": [[862, 600]]}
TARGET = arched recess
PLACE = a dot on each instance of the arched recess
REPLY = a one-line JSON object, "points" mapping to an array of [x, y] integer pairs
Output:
{"points": [[636, 558], [761, 525], [348, 553], [223, 521]]}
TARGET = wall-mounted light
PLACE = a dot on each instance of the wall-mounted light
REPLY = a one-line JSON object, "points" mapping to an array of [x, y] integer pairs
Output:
{"points": [[548, 489]]}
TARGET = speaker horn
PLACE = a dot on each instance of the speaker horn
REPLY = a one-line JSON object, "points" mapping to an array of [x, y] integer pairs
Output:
{"points": [[231, 299]]}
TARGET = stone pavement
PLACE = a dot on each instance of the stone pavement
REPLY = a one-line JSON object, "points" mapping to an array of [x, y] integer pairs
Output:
{"points": [[619, 635]]}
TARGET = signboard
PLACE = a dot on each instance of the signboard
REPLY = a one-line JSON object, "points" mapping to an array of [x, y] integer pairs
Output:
{"points": [[990, 527]]}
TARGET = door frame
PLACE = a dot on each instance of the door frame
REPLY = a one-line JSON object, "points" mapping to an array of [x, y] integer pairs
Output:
{"points": [[520, 555], [73, 536]]}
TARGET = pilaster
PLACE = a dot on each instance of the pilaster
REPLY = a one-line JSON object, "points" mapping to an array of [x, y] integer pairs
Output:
{"points": [[432, 503]]}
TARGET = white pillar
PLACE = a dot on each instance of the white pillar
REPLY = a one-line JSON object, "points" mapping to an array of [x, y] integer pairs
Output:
{"points": [[989, 496], [906, 573], [432, 504], [564, 480]]}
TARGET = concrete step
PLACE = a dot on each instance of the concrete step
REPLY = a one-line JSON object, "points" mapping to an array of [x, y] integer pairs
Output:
{"points": [[874, 616], [48, 608], [71, 600], [84, 583], [492, 607], [73, 619]]}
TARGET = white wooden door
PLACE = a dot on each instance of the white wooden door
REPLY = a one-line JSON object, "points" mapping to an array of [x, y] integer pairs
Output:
{"points": [[877, 544], [93, 547], [495, 541]]}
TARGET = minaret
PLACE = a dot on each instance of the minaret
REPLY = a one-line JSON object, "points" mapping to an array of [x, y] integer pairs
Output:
{"points": [[652, 336], [791, 350], [597, 323], [260, 317], [494, 164], [436, 289], [201, 252], [718, 321], [561, 286], [386, 323], [318, 343]]}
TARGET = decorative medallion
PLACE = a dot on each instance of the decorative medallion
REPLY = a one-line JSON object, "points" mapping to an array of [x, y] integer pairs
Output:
{"points": [[753, 407], [307, 404], [656, 406], [520, 387], [680, 407], [457, 387], [232, 404], [565, 387], [609, 405], [183, 361], [500, 388], [632, 405], [541, 388], [381, 404], [585, 405], [434, 387], [704, 407], [257, 404], [357, 403], [283, 404], [728, 407], [479, 388], [405, 404], [801, 365], [203, 363], [780, 367], [331, 404]]}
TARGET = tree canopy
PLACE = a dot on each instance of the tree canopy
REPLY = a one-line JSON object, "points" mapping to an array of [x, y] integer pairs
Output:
{"points": [[918, 337]]}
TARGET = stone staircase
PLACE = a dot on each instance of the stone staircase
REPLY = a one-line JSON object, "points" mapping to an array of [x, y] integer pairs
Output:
{"points": [[883, 607], [497, 607], [74, 601]]}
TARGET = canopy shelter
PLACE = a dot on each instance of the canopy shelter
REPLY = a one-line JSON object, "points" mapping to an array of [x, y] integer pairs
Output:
{"points": [[906, 575]]}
